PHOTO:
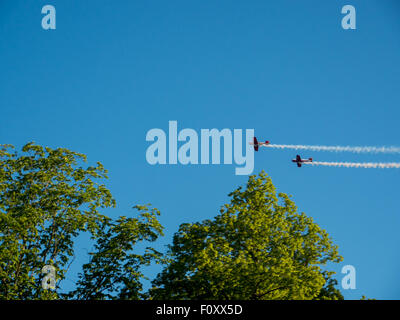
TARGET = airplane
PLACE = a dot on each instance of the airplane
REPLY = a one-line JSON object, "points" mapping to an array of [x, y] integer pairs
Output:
{"points": [[256, 144], [299, 160]]}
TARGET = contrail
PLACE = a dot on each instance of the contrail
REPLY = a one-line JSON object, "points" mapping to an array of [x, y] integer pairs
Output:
{"points": [[335, 148], [381, 165]]}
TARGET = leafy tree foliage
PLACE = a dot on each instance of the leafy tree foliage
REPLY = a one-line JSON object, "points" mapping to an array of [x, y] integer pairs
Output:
{"points": [[258, 247], [114, 270], [46, 200], [329, 291]]}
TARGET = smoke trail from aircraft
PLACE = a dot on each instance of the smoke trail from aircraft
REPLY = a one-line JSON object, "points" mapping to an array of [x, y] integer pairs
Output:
{"points": [[335, 148], [380, 165]]}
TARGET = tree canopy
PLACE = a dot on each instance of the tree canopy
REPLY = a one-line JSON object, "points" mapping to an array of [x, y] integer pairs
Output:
{"points": [[47, 198], [258, 247], [114, 270]]}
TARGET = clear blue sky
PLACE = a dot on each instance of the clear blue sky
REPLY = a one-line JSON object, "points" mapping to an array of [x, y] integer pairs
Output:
{"points": [[112, 70]]}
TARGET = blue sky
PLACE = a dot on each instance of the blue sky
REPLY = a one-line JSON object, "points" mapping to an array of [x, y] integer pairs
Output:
{"points": [[112, 70]]}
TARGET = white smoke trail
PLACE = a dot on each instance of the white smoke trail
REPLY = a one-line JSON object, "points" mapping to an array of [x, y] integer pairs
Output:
{"points": [[335, 148], [381, 165]]}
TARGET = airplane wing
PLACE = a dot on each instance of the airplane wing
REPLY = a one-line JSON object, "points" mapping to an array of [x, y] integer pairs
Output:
{"points": [[255, 142], [299, 164]]}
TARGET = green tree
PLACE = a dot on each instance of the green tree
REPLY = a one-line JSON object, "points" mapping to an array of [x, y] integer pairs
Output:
{"points": [[46, 200], [114, 270], [258, 247], [329, 291]]}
